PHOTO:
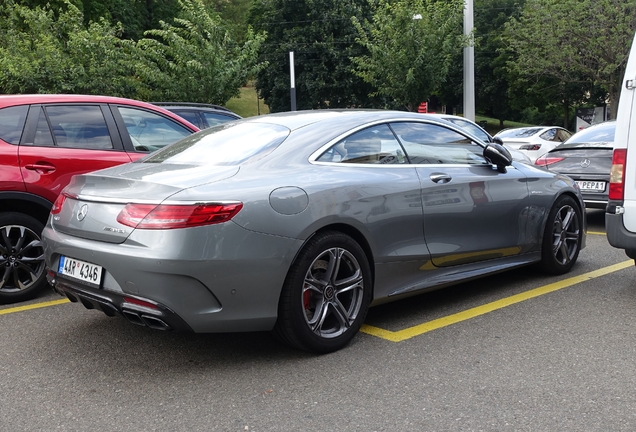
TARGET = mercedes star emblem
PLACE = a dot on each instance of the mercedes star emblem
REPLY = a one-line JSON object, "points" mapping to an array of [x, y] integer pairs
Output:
{"points": [[81, 214]]}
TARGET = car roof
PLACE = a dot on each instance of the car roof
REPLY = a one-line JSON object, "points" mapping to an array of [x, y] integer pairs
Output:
{"points": [[298, 119], [24, 99]]}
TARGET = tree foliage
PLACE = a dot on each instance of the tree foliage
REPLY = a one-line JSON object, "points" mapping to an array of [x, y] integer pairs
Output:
{"points": [[44, 53], [195, 59], [567, 48], [491, 75], [322, 37], [51, 51], [411, 44]]}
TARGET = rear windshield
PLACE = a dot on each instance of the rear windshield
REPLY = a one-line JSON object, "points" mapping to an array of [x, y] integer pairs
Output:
{"points": [[519, 133], [595, 134], [226, 144]]}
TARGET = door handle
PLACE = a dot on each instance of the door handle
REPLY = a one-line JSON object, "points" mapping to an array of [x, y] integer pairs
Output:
{"points": [[440, 178], [42, 168]]}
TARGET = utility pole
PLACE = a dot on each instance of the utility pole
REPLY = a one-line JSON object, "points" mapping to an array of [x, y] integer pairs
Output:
{"points": [[469, 63]]}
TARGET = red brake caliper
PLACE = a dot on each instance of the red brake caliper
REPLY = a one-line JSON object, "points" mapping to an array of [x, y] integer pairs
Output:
{"points": [[306, 299]]}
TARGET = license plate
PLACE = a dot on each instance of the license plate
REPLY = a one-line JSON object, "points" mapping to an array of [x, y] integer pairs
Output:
{"points": [[80, 270], [596, 186]]}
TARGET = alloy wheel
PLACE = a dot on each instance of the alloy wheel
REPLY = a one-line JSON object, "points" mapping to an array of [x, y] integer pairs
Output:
{"points": [[565, 234], [332, 292], [21, 258]]}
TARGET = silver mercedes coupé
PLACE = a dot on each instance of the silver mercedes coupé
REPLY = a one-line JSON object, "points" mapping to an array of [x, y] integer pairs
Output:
{"points": [[299, 222]]}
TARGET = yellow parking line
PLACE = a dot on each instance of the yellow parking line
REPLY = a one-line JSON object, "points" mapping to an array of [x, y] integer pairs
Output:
{"points": [[32, 306], [596, 232], [417, 330]]}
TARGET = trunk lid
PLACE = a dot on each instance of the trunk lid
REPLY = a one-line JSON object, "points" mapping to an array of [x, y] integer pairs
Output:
{"points": [[93, 201]]}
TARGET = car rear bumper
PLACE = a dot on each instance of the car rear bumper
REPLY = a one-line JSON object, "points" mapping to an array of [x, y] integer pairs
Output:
{"points": [[228, 280], [153, 315]]}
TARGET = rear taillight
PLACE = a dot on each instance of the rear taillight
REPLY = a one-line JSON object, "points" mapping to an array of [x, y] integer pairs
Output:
{"points": [[547, 159], [530, 147], [57, 205], [170, 216], [617, 175]]}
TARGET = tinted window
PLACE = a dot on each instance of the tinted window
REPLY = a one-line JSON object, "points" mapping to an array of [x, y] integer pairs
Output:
{"points": [[190, 116], [216, 119], [12, 123], [432, 144], [77, 126], [374, 145], [470, 127], [228, 144], [149, 131]]}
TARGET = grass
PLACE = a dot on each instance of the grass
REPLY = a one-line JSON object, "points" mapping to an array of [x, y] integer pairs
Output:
{"points": [[247, 104]]}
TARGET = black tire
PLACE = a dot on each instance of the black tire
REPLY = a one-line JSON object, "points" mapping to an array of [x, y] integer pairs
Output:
{"points": [[326, 294], [562, 236], [22, 267]]}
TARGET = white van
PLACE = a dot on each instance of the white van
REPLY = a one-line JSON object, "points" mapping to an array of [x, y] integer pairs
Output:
{"points": [[620, 214]]}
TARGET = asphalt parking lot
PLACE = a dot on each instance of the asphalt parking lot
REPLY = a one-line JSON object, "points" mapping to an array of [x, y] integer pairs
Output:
{"points": [[519, 351]]}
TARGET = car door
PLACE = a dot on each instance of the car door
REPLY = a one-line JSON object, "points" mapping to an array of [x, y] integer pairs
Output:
{"points": [[61, 140], [383, 197], [471, 210]]}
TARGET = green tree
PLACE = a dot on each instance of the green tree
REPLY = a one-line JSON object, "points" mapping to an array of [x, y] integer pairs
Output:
{"points": [[491, 74], [44, 53], [322, 37], [567, 48], [411, 46], [195, 59]]}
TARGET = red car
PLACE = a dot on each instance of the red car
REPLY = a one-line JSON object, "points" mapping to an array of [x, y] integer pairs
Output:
{"points": [[44, 141]]}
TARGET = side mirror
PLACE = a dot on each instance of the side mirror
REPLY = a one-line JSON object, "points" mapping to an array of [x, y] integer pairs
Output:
{"points": [[498, 155], [497, 140]]}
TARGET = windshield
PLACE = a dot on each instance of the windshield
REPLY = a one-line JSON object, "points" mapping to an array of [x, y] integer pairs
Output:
{"points": [[519, 133], [227, 144], [596, 134]]}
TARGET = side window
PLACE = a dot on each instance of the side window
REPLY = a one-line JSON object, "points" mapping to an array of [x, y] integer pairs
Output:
{"points": [[12, 123], [75, 126], [149, 131], [216, 119], [190, 116], [563, 135], [474, 129], [432, 144], [549, 135], [374, 145]]}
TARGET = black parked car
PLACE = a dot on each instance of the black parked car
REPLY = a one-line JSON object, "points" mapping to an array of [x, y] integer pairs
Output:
{"points": [[587, 158], [201, 115]]}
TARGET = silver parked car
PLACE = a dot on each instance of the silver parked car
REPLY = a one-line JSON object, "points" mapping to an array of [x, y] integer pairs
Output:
{"points": [[298, 222]]}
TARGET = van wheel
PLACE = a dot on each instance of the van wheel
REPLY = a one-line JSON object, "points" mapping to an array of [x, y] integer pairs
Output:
{"points": [[326, 294], [22, 267], [562, 236]]}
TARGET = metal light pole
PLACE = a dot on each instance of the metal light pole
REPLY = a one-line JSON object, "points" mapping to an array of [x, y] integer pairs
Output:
{"points": [[469, 64], [292, 79]]}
